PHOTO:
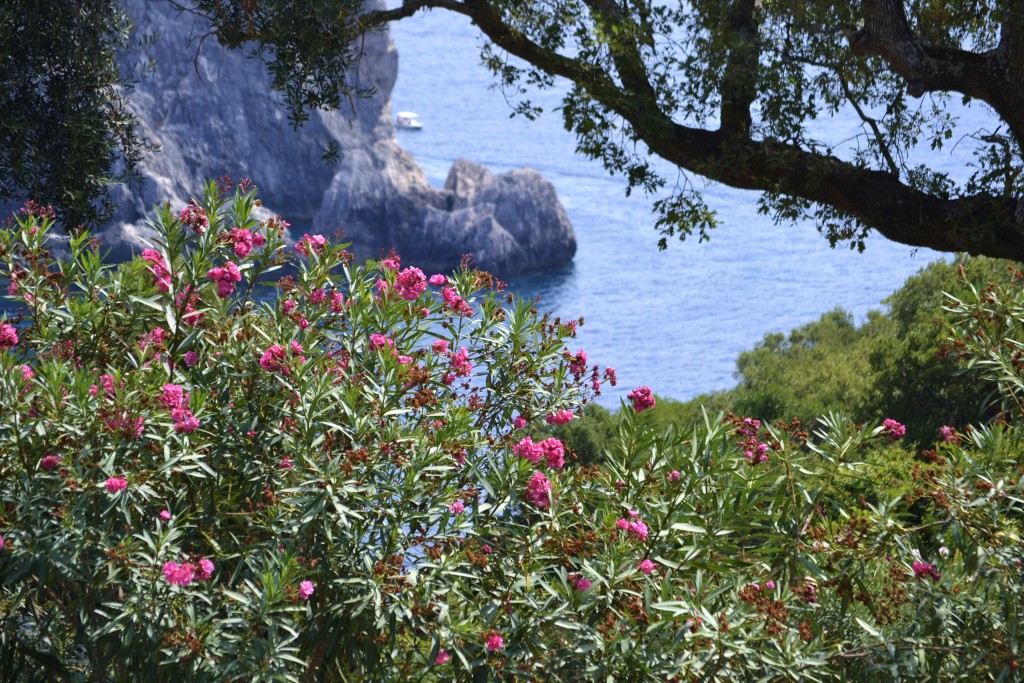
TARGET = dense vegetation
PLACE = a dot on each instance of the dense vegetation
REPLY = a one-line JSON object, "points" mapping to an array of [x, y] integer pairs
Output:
{"points": [[342, 484]]}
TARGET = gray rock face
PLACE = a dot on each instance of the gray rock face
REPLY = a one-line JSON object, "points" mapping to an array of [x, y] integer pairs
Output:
{"points": [[213, 113]]}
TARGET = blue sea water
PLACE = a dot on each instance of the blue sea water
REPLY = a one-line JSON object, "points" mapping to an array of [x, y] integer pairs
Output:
{"points": [[675, 320]]}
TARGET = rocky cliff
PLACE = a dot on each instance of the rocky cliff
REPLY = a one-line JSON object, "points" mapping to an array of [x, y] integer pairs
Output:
{"points": [[213, 113]]}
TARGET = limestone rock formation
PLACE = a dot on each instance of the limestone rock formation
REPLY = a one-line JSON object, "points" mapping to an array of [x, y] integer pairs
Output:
{"points": [[213, 114]]}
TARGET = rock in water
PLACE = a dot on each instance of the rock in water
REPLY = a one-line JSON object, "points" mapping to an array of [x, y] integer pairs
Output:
{"points": [[213, 113]]}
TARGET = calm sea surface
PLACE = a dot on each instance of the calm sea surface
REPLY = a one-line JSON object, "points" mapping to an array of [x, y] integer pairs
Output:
{"points": [[674, 320]]}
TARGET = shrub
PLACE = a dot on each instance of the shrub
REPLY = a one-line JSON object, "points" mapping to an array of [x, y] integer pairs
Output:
{"points": [[336, 484]]}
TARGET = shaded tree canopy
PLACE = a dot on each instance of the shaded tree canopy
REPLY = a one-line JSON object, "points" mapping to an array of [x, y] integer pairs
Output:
{"points": [[732, 91]]}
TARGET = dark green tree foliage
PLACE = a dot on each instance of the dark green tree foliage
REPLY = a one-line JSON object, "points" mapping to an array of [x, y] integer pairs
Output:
{"points": [[65, 132]]}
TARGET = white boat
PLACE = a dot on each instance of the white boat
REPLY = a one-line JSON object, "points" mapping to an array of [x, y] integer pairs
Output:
{"points": [[408, 119]]}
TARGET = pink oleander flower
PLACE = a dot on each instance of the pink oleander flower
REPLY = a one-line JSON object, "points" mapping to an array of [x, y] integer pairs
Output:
{"points": [[391, 262], [455, 303], [26, 373], [285, 463], [311, 243], [519, 422], [583, 584], [769, 585], [495, 642], [554, 452], [225, 277], [577, 363], [195, 217], [274, 359], [461, 365], [115, 484], [538, 491], [437, 279], [191, 358], [337, 302], [165, 515], [318, 296], [158, 268], [288, 305], [949, 434], [646, 566], [242, 240], [926, 570], [380, 342], [440, 347], [457, 507], [442, 657], [410, 283], [306, 589], [191, 318], [184, 421], [50, 462], [8, 336], [894, 429], [178, 574], [206, 568], [674, 475], [173, 396], [609, 374], [526, 448], [560, 418], [642, 399], [633, 527]]}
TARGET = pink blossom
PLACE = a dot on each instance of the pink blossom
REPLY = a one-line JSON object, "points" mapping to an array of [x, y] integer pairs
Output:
{"points": [[191, 358], [609, 374], [383, 287], [437, 279], [926, 570], [165, 515], [311, 243], [337, 302], [554, 452], [455, 303], [318, 296], [380, 342], [115, 484], [191, 318], [646, 566], [583, 584], [173, 396], [8, 336], [306, 589], [288, 305], [461, 364], [391, 262], [949, 434], [26, 373], [633, 527], [442, 657], [50, 462], [769, 585], [205, 569], [560, 418], [538, 491], [519, 422], [440, 347], [158, 268], [410, 283], [526, 448], [225, 277], [184, 421], [195, 217], [578, 363], [642, 399], [495, 642], [457, 507], [242, 240], [894, 429], [178, 574], [274, 359], [674, 475], [285, 463]]}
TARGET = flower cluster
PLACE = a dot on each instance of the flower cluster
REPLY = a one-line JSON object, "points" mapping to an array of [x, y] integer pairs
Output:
{"points": [[538, 491], [158, 267], [315, 244], [560, 418], [225, 276], [551, 449], [754, 450], [642, 399], [242, 241], [410, 283], [195, 217], [633, 526], [185, 573], [176, 400], [893, 429], [925, 570], [8, 337]]}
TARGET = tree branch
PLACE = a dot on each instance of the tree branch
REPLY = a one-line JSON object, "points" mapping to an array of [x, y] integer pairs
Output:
{"points": [[739, 82]]}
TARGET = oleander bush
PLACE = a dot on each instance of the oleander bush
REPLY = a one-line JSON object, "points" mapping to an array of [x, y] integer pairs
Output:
{"points": [[207, 474]]}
